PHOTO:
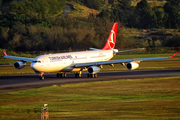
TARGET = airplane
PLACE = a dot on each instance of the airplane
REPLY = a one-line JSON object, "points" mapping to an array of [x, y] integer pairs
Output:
{"points": [[76, 62]]}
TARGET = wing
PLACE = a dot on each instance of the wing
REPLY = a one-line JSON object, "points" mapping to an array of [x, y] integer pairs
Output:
{"points": [[119, 61], [18, 58]]}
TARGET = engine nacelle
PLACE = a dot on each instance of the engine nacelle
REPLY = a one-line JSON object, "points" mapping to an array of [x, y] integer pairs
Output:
{"points": [[132, 65], [93, 69], [19, 64]]}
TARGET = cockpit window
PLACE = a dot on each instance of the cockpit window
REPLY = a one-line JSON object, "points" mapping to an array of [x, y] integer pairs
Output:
{"points": [[36, 61]]}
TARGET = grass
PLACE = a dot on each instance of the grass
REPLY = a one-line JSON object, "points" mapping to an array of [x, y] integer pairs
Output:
{"points": [[149, 98]]}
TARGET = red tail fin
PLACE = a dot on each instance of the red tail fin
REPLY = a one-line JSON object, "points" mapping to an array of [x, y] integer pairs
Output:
{"points": [[110, 44]]}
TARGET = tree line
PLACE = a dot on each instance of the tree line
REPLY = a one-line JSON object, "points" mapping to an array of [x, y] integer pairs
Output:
{"points": [[32, 25], [143, 15]]}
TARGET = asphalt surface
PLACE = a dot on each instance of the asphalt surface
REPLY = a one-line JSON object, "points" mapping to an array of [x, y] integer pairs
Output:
{"points": [[20, 82]]}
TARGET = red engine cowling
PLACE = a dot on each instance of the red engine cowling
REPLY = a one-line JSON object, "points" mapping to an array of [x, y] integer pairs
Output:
{"points": [[132, 65], [19, 64]]}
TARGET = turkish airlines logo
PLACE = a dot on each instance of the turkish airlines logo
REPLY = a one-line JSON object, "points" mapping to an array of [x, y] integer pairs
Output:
{"points": [[111, 40]]}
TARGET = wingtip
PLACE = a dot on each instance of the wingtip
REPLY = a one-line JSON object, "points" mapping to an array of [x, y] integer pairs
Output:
{"points": [[173, 55], [4, 53]]}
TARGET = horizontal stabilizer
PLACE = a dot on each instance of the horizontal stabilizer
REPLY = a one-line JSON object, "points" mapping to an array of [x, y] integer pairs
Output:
{"points": [[95, 49], [130, 50]]}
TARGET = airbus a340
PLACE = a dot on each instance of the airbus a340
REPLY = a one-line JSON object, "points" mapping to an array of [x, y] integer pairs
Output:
{"points": [[91, 60]]}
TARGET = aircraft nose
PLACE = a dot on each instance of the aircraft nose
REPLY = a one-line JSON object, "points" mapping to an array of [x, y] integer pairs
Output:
{"points": [[34, 67]]}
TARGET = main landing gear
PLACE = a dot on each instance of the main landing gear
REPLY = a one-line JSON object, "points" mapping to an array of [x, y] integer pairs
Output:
{"points": [[78, 74], [90, 75], [61, 75]]}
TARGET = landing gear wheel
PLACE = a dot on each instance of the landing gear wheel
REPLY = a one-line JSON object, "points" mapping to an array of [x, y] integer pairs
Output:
{"points": [[95, 75], [41, 77], [92, 75], [58, 75], [64, 75], [61, 75], [77, 75]]}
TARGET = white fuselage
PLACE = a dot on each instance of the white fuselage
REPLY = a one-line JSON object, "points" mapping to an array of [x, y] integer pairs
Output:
{"points": [[64, 62]]}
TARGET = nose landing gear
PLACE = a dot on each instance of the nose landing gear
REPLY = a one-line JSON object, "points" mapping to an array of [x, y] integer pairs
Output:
{"points": [[41, 77]]}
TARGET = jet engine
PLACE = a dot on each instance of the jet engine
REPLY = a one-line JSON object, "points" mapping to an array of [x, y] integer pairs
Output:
{"points": [[93, 69], [132, 65], [19, 64]]}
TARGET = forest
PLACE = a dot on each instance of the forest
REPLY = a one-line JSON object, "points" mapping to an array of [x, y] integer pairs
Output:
{"points": [[39, 25]]}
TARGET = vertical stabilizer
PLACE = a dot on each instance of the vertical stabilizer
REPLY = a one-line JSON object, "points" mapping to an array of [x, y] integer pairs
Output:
{"points": [[110, 44]]}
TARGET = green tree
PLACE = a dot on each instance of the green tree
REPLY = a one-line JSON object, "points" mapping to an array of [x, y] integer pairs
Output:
{"points": [[110, 1], [174, 2], [172, 15], [37, 8], [160, 14], [121, 11], [173, 41], [4, 36], [95, 4], [146, 16]]}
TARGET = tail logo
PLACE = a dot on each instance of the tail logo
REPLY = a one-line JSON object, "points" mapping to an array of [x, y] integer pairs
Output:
{"points": [[110, 43], [111, 40]]}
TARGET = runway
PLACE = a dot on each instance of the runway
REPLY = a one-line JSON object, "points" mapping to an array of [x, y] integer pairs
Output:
{"points": [[20, 82]]}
